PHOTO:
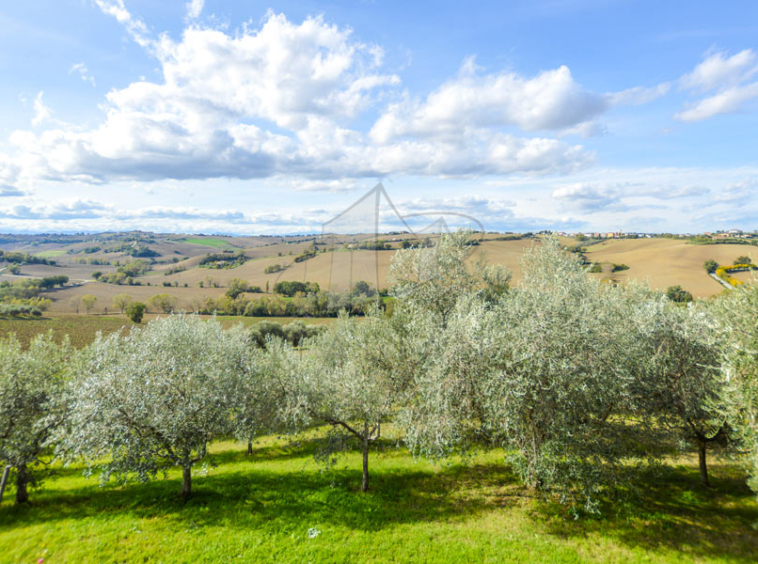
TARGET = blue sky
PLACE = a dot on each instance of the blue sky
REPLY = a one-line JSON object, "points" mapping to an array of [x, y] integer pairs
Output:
{"points": [[250, 117]]}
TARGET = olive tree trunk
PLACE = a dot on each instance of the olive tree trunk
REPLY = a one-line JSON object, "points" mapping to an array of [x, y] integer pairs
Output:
{"points": [[186, 480], [364, 484], [249, 448], [22, 479], [703, 464]]}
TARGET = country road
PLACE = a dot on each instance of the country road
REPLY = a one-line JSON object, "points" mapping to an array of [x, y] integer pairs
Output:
{"points": [[724, 283]]}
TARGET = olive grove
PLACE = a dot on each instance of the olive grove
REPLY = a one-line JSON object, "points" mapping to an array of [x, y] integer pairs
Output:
{"points": [[155, 398], [579, 383]]}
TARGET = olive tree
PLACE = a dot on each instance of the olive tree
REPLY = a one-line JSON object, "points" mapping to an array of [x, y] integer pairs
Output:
{"points": [[30, 381], [557, 380], [433, 279], [155, 398], [260, 390], [738, 312], [349, 379], [682, 386], [443, 403]]}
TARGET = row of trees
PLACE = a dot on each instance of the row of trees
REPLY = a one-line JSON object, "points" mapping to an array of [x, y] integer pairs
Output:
{"points": [[580, 383]]}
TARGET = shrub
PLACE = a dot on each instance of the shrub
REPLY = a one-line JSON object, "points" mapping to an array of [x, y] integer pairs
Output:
{"points": [[135, 311], [262, 331], [678, 294], [272, 268]]}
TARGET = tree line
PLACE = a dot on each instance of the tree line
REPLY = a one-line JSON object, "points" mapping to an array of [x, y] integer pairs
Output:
{"points": [[581, 384]]}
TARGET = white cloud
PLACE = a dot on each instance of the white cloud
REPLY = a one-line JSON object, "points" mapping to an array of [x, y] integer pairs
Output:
{"points": [[194, 7], [551, 100], [134, 26], [639, 95], [83, 72], [738, 193], [41, 112], [718, 71], [78, 209], [727, 79], [281, 100], [589, 197], [729, 101]]}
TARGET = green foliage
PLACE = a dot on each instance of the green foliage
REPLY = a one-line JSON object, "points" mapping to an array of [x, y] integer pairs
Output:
{"points": [[49, 282], [679, 380], [141, 251], [738, 311], [305, 255], [135, 311], [678, 294], [363, 288], [30, 381], [88, 301], [155, 398], [290, 288], [263, 331], [223, 260], [17, 258], [377, 245], [163, 302], [122, 301], [349, 381], [596, 268], [432, 280], [126, 273], [743, 259], [273, 268], [619, 267], [237, 287], [19, 289], [710, 265], [21, 308]]}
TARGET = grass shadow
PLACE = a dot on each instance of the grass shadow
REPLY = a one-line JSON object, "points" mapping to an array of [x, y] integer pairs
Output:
{"points": [[669, 510]]}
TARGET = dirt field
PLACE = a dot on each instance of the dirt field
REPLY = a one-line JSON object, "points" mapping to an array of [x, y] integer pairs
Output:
{"points": [[662, 262], [666, 262]]}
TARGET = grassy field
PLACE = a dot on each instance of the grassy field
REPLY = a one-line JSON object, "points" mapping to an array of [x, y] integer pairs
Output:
{"points": [[49, 254], [215, 243], [279, 505], [82, 329]]}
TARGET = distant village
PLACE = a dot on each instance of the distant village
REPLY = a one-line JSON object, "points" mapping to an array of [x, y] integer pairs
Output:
{"points": [[728, 234]]}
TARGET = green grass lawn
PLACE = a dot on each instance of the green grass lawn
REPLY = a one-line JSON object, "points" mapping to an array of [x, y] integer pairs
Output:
{"points": [[261, 508], [49, 254], [215, 243]]}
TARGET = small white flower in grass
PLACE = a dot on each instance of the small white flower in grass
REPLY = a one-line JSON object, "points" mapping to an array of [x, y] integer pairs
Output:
{"points": [[313, 532]]}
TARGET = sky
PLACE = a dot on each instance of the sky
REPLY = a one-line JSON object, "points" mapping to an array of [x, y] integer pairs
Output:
{"points": [[244, 117]]}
